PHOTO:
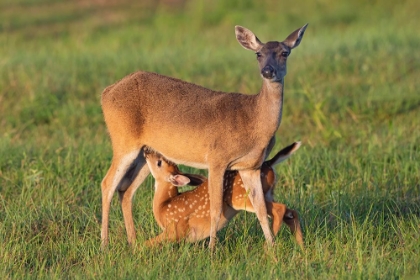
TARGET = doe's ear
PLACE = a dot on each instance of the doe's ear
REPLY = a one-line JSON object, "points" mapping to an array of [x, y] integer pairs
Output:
{"points": [[247, 39], [294, 39], [179, 180]]}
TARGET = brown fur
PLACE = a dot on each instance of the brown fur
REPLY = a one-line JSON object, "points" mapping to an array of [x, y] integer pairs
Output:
{"points": [[189, 124]]}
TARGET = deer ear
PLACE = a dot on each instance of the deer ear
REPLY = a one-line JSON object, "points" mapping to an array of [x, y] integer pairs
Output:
{"points": [[283, 154], [195, 179], [179, 180], [294, 39], [247, 39]]}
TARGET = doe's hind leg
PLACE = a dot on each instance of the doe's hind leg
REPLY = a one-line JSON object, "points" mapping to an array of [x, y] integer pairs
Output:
{"points": [[126, 196], [112, 181]]}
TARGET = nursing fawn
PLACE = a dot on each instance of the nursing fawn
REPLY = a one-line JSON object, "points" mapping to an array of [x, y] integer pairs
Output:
{"points": [[186, 216]]}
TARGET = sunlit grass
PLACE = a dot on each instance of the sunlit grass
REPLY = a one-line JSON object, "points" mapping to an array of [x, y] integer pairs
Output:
{"points": [[352, 98]]}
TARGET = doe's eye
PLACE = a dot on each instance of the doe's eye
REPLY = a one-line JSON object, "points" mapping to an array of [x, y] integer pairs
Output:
{"points": [[159, 163], [258, 54], [285, 54]]}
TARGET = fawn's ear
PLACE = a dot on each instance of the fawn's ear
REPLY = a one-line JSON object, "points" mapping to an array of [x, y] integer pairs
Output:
{"points": [[195, 179], [294, 39], [247, 39], [283, 154], [179, 180]]}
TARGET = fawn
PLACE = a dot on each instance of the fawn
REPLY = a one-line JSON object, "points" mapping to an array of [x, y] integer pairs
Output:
{"points": [[186, 216]]}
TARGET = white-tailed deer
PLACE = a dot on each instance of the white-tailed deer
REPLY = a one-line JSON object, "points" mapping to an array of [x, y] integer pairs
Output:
{"points": [[186, 216], [195, 126]]}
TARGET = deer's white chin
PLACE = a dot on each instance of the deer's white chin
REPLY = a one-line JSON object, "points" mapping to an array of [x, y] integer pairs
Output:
{"points": [[273, 80]]}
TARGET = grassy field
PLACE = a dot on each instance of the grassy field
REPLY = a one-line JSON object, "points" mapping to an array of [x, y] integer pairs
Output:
{"points": [[352, 97]]}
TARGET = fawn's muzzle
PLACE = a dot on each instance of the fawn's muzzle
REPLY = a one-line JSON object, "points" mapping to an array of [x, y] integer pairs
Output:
{"points": [[268, 72]]}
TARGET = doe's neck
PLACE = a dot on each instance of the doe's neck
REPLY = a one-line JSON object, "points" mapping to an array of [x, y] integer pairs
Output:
{"points": [[272, 90], [271, 103]]}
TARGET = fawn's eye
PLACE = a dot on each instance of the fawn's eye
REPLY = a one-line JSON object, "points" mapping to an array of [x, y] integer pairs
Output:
{"points": [[258, 54], [159, 163], [285, 54]]}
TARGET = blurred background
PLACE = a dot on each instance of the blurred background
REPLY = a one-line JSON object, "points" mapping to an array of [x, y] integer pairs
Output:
{"points": [[351, 96], [359, 62]]}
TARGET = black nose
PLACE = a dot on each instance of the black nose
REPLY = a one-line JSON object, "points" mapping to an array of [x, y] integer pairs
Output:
{"points": [[268, 72]]}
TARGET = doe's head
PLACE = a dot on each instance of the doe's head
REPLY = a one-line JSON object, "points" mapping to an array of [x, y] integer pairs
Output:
{"points": [[271, 56]]}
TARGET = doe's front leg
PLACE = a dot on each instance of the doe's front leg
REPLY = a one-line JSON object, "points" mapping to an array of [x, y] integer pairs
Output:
{"points": [[252, 182], [216, 202]]}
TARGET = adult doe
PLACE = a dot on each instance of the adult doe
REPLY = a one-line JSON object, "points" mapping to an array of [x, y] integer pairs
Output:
{"points": [[195, 126], [186, 216]]}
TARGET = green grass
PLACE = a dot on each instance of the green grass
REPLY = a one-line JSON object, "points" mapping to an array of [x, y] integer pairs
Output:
{"points": [[352, 97]]}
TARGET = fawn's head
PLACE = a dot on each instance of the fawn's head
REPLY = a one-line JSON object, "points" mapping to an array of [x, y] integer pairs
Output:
{"points": [[268, 176], [271, 56], [165, 171]]}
